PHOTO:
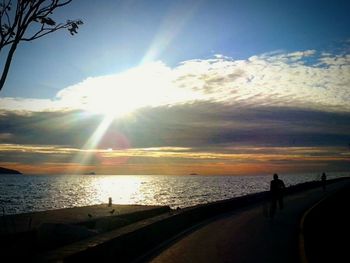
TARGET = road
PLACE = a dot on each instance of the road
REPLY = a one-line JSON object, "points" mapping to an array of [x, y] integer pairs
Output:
{"points": [[247, 235]]}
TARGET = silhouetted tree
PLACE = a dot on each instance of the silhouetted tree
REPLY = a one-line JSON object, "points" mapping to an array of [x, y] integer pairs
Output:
{"points": [[27, 20]]}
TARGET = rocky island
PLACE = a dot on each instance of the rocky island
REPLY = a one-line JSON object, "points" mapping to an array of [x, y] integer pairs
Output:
{"points": [[8, 171]]}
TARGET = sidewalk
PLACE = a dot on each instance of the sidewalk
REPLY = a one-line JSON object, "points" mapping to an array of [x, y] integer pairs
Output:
{"points": [[10, 224], [247, 235], [23, 237]]}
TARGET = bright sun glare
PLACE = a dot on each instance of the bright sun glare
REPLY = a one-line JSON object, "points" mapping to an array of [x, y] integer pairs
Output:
{"points": [[150, 84], [123, 93], [120, 94]]}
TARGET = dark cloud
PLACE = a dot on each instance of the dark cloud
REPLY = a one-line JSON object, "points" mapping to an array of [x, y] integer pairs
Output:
{"points": [[35, 158], [189, 125], [48, 128]]}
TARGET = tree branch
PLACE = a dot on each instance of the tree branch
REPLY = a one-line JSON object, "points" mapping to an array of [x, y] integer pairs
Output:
{"points": [[44, 31], [4, 12], [15, 23], [11, 30], [31, 13], [45, 11], [64, 3]]}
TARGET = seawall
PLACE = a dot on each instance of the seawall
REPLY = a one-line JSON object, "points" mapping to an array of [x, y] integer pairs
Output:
{"points": [[34, 233]]}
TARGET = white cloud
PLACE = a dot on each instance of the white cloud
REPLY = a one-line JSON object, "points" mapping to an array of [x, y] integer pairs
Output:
{"points": [[337, 61], [275, 79], [22, 104]]}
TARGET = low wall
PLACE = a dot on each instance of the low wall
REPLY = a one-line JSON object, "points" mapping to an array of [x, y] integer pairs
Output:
{"points": [[127, 243], [63, 227]]}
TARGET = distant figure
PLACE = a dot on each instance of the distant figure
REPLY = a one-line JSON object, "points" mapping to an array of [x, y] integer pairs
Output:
{"points": [[277, 191], [324, 181], [112, 211]]}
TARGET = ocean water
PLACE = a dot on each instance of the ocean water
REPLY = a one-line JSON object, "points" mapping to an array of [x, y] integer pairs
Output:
{"points": [[21, 194]]}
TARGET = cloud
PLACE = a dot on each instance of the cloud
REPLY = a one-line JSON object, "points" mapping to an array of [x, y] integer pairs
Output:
{"points": [[5, 136], [277, 108], [23, 104], [303, 79], [189, 125], [163, 160], [335, 62], [235, 154]]}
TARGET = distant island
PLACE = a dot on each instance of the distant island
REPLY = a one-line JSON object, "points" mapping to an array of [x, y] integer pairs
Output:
{"points": [[8, 171], [193, 174], [90, 173]]}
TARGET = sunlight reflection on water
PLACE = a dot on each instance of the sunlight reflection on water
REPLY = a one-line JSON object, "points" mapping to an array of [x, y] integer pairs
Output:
{"points": [[34, 193]]}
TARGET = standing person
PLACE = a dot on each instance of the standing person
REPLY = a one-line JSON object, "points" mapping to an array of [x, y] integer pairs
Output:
{"points": [[324, 181], [276, 190]]}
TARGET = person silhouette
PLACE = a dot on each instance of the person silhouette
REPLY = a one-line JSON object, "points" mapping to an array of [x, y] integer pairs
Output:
{"points": [[324, 181], [276, 191]]}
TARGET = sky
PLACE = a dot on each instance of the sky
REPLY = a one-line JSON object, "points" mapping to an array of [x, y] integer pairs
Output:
{"points": [[180, 87]]}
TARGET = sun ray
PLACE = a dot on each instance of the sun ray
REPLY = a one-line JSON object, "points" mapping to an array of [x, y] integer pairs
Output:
{"points": [[169, 29], [84, 157]]}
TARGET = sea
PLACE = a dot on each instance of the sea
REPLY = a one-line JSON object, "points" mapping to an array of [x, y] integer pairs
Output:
{"points": [[29, 193]]}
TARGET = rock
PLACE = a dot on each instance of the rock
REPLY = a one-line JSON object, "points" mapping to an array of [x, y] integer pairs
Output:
{"points": [[8, 171]]}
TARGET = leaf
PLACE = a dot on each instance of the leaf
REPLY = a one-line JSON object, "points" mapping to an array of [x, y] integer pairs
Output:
{"points": [[73, 26], [48, 21], [73, 30]]}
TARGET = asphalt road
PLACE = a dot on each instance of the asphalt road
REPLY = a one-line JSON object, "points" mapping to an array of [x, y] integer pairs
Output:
{"points": [[248, 235]]}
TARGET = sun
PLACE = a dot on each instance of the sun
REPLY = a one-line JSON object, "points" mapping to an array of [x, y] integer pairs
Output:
{"points": [[123, 93], [149, 85], [109, 104]]}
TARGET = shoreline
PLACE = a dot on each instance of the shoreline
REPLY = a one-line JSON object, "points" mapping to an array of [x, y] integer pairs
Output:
{"points": [[28, 194], [165, 222]]}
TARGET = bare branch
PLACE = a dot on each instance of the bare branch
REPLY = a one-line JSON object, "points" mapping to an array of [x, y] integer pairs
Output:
{"points": [[29, 16], [11, 29], [5, 7], [4, 12], [45, 11], [31, 13], [44, 31], [8, 18]]}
